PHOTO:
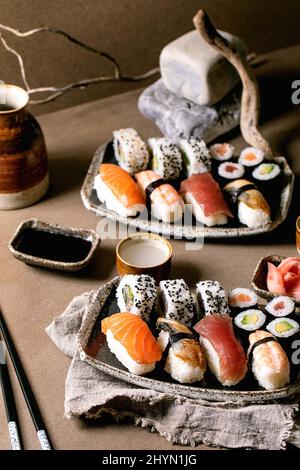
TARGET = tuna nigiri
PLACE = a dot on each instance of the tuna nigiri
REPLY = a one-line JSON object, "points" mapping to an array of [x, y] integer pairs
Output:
{"points": [[269, 362], [132, 342], [118, 190], [206, 199], [166, 204], [224, 353]]}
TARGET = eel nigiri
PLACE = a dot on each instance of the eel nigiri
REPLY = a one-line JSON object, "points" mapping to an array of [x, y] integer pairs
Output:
{"points": [[132, 342], [118, 190], [207, 201], [185, 359], [224, 353], [166, 203], [270, 364], [252, 208]]}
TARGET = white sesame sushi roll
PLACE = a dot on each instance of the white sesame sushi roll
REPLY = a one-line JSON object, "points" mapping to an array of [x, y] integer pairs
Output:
{"points": [[137, 294], [212, 298], [222, 152], [166, 158], [195, 156], [251, 156], [185, 359], [130, 150], [177, 302]]}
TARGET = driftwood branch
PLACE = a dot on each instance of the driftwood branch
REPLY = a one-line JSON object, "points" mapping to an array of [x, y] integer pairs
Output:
{"points": [[56, 92], [250, 106]]}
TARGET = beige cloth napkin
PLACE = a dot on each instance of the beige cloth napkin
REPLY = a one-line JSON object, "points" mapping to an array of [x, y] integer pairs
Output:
{"points": [[90, 393]]}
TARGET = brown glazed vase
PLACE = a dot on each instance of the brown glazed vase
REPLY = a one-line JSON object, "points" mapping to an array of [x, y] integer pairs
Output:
{"points": [[24, 175]]}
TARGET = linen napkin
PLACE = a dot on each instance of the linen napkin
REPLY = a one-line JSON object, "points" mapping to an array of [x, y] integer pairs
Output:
{"points": [[90, 393]]}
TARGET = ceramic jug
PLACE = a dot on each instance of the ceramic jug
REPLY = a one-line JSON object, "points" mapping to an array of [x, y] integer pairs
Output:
{"points": [[24, 175]]}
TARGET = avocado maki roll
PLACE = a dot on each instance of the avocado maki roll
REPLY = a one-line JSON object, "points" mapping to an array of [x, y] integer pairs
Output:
{"points": [[286, 330], [248, 321]]}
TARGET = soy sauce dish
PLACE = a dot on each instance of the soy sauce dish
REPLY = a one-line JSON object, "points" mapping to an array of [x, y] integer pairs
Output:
{"points": [[52, 246]]}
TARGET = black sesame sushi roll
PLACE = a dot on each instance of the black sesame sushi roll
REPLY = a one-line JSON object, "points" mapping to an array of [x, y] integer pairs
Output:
{"points": [[241, 299], [137, 294], [281, 306], [248, 321], [166, 159], [212, 298], [177, 302], [195, 156]]}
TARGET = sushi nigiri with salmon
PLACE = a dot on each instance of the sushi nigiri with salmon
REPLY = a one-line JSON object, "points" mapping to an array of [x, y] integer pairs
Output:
{"points": [[224, 353], [204, 195], [268, 360], [162, 199], [131, 341], [119, 191], [185, 360], [251, 207]]}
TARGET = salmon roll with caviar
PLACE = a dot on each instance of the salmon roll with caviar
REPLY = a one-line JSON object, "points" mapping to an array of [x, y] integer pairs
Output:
{"points": [[195, 156], [177, 301], [241, 299], [131, 341], [166, 159], [137, 294], [268, 361], [130, 151], [212, 298], [225, 355], [185, 359]]}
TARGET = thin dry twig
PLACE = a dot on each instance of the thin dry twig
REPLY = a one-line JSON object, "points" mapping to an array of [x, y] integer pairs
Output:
{"points": [[56, 92]]}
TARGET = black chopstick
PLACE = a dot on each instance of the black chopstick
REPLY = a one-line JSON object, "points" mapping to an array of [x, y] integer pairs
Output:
{"points": [[26, 388], [9, 401]]}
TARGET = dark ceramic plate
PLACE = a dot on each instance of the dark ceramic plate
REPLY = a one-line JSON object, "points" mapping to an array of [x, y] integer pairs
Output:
{"points": [[259, 280], [105, 154], [94, 350]]}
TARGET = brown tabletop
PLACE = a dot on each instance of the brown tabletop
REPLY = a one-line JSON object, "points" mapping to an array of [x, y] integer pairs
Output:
{"points": [[30, 297]]}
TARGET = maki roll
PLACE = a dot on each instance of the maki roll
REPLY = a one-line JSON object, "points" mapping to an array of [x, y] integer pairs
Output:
{"points": [[130, 150], [195, 156], [285, 329], [248, 321], [130, 339], [222, 152], [204, 195], [251, 157], [268, 361], [137, 294], [177, 301], [281, 306], [119, 191], [249, 203], [268, 177], [224, 353], [166, 159], [185, 359], [212, 298], [229, 171], [162, 200], [241, 299]]}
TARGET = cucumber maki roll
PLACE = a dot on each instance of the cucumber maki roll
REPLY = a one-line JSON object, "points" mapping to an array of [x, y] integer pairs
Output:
{"points": [[137, 294], [195, 156], [166, 159]]}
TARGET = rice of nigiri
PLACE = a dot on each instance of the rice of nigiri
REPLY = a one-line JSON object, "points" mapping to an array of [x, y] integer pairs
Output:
{"points": [[131, 341]]}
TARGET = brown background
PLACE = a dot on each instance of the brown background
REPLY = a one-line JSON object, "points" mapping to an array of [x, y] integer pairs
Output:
{"points": [[134, 31]]}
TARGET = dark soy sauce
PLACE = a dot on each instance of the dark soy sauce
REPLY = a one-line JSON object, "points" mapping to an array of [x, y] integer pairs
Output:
{"points": [[53, 246], [6, 107]]}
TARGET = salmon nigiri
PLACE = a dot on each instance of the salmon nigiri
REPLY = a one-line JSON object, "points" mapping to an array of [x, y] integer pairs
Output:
{"points": [[224, 353], [269, 362], [132, 342], [118, 190], [166, 203]]}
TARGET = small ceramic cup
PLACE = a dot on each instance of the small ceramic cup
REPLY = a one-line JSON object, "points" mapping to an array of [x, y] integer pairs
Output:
{"points": [[144, 253], [298, 234]]}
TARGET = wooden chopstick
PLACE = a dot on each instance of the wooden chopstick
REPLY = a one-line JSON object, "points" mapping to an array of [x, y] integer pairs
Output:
{"points": [[9, 401], [26, 388]]}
